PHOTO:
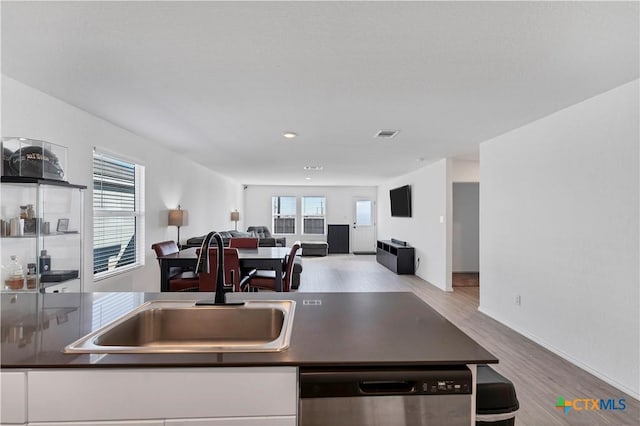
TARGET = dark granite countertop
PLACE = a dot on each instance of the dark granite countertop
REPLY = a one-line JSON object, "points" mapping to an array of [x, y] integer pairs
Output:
{"points": [[330, 329]]}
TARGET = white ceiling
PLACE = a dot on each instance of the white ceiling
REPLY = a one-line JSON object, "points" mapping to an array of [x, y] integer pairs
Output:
{"points": [[221, 81]]}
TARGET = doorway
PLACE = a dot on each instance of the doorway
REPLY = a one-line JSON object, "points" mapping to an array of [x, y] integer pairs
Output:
{"points": [[363, 239], [466, 234]]}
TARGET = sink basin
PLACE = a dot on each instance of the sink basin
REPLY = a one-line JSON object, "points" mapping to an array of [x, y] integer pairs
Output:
{"points": [[179, 326]]}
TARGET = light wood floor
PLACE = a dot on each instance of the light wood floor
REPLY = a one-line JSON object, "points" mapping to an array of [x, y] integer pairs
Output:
{"points": [[465, 279], [539, 376]]}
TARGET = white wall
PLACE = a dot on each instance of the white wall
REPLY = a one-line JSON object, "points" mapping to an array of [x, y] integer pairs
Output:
{"points": [[559, 226], [340, 205], [170, 178], [424, 231], [465, 243]]}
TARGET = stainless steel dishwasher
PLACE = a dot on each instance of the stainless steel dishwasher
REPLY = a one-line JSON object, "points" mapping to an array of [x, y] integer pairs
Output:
{"points": [[385, 397]]}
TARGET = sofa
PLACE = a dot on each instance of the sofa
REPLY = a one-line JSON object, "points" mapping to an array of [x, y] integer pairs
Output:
{"points": [[265, 237], [297, 269], [227, 235]]}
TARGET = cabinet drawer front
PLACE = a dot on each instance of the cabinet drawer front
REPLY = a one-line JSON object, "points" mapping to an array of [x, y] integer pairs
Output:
{"points": [[13, 407], [120, 394], [97, 423], [236, 421]]}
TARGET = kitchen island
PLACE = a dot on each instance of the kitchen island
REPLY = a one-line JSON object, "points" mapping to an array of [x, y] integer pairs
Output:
{"points": [[345, 330]]}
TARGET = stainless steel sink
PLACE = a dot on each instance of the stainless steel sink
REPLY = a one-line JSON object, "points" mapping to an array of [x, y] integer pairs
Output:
{"points": [[180, 326]]}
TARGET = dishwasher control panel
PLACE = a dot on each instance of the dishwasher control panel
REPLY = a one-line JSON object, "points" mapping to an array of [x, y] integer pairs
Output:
{"points": [[358, 382], [445, 386]]}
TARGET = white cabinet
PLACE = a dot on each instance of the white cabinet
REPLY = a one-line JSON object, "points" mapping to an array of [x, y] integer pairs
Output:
{"points": [[233, 421], [214, 396], [123, 423], [13, 406], [236, 421]]}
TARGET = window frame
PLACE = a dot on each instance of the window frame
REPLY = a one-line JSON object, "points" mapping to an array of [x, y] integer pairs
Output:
{"points": [[323, 216], [294, 216], [138, 213]]}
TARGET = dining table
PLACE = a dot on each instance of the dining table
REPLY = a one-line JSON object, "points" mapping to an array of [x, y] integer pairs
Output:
{"points": [[262, 258]]}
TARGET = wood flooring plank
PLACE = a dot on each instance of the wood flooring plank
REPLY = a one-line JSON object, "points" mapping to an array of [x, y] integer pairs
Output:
{"points": [[539, 375]]}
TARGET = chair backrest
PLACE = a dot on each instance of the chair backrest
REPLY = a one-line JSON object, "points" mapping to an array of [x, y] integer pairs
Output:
{"points": [[231, 270], [242, 242], [165, 248], [261, 231], [288, 271]]}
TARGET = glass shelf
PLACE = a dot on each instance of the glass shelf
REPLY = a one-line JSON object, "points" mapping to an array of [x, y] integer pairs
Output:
{"points": [[53, 234]]}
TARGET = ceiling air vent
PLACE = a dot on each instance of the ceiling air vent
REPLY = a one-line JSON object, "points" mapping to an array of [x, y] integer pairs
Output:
{"points": [[314, 168], [387, 134]]}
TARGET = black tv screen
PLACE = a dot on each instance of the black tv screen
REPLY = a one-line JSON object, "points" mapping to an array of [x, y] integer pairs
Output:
{"points": [[401, 201]]}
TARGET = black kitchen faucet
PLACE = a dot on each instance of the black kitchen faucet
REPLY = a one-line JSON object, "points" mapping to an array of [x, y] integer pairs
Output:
{"points": [[202, 266]]}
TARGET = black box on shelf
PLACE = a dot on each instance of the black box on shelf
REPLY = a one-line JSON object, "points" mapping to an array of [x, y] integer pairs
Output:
{"points": [[58, 276]]}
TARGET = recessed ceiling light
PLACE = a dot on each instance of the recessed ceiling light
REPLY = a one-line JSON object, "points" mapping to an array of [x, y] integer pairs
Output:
{"points": [[22, 139], [307, 178], [387, 134], [289, 135], [314, 168]]}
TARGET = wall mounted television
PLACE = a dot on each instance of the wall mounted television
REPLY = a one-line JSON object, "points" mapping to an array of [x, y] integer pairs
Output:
{"points": [[401, 201]]}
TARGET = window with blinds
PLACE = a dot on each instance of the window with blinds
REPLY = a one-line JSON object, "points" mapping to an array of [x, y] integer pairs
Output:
{"points": [[118, 215], [283, 214], [313, 215]]}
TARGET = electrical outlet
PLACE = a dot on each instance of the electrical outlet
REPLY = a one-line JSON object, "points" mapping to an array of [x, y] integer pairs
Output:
{"points": [[518, 300]]}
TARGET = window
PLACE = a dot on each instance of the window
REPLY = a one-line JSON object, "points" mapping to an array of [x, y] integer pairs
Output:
{"points": [[313, 211], [284, 214], [118, 215], [364, 212]]}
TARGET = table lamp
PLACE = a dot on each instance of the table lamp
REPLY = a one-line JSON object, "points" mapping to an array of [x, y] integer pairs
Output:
{"points": [[235, 217], [176, 218]]}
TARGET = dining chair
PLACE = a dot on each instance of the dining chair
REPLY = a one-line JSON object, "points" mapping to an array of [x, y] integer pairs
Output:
{"points": [[266, 280], [232, 277], [179, 278], [243, 242]]}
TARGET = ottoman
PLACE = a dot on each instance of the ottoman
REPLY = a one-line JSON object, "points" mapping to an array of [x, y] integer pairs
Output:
{"points": [[314, 248]]}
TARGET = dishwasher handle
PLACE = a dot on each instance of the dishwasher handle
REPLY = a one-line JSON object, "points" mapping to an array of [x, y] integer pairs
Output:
{"points": [[387, 387]]}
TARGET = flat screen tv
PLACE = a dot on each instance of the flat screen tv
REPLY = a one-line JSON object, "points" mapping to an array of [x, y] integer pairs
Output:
{"points": [[401, 201]]}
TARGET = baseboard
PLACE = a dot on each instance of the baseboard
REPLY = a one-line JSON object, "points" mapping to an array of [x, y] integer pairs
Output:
{"points": [[364, 252], [634, 394]]}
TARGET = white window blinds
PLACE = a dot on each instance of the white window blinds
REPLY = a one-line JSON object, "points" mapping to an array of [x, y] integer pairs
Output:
{"points": [[118, 215], [283, 210], [313, 215]]}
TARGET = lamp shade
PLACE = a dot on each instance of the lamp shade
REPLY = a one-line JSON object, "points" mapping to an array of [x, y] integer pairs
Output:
{"points": [[176, 217], [235, 216]]}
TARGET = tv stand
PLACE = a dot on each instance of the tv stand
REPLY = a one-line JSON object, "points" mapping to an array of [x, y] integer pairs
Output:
{"points": [[396, 255]]}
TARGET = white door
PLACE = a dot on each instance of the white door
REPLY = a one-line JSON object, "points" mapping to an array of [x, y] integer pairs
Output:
{"points": [[364, 226]]}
